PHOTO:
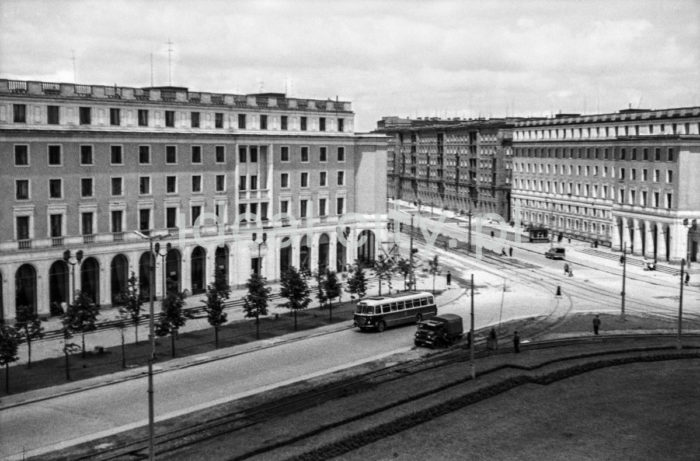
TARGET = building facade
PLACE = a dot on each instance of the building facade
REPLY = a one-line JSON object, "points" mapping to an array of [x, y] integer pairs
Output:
{"points": [[627, 180], [454, 164], [238, 183]]}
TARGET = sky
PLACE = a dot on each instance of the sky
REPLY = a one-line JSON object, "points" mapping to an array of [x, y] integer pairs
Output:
{"points": [[408, 58]]}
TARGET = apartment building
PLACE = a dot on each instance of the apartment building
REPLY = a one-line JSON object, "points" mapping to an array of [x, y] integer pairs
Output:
{"points": [[238, 183], [628, 180], [454, 164]]}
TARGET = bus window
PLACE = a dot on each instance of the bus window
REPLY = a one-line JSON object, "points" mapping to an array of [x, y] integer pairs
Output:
{"points": [[416, 303], [386, 308], [369, 310], [393, 306], [424, 301], [360, 307], [430, 300], [378, 310], [400, 305]]}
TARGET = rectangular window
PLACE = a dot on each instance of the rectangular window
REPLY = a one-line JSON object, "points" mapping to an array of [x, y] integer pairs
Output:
{"points": [[171, 184], [196, 183], [341, 124], [656, 199], [341, 154], [242, 210], [241, 183], [263, 211], [242, 154], [634, 154], [305, 179], [56, 224], [284, 154], [85, 115], [53, 115], [644, 198], [253, 182], [22, 227], [322, 207], [144, 219], [622, 173], [633, 196], [284, 120], [241, 121], [170, 118], [171, 217], [263, 122], [115, 117], [144, 155], [171, 154], [284, 206], [117, 186], [54, 155], [55, 189], [341, 178], [22, 189], [22, 155], [302, 208], [86, 189], [87, 223], [633, 172], [194, 119], [304, 154], [340, 205], [323, 179], [669, 200], [196, 154], [656, 175], [144, 185], [116, 155], [284, 180], [196, 213], [254, 210], [143, 117], [322, 124], [303, 123], [218, 120], [645, 154], [669, 176], [219, 154], [670, 155], [657, 154], [220, 183], [253, 154], [117, 220], [323, 156], [86, 155], [644, 174]]}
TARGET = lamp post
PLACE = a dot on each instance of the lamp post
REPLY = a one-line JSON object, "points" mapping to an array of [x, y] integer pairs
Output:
{"points": [[469, 231], [151, 338], [624, 273], [258, 267], [73, 261], [168, 247], [410, 256], [680, 308], [472, 369]]}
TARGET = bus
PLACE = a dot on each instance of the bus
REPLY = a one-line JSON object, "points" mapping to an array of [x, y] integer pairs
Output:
{"points": [[380, 312]]}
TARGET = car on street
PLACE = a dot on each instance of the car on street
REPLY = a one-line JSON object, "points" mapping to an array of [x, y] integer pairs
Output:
{"points": [[555, 253]]}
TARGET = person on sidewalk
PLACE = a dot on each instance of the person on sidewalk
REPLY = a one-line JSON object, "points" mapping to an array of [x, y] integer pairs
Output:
{"points": [[687, 278], [516, 342], [510, 252], [492, 341], [596, 325], [566, 268], [449, 278]]}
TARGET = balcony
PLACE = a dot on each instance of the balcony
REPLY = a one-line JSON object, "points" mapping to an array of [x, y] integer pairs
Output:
{"points": [[24, 244], [117, 236], [56, 241], [90, 238]]}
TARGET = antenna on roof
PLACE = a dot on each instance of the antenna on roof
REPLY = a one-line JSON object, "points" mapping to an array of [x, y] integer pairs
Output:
{"points": [[170, 54], [73, 59]]}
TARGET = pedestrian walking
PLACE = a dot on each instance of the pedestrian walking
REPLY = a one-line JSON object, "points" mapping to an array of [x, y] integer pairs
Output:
{"points": [[596, 325], [503, 251], [566, 268], [510, 252], [492, 341], [622, 259], [516, 342], [449, 278], [687, 278]]}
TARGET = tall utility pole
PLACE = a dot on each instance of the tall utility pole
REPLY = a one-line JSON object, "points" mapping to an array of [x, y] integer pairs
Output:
{"points": [[624, 274], [469, 236], [471, 334], [410, 256], [680, 307]]}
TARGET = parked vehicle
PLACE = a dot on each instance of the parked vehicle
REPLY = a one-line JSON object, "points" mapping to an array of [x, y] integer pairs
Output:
{"points": [[555, 253], [440, 331], [380, 312]]}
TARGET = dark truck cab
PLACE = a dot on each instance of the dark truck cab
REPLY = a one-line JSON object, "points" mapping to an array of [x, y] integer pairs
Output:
{"points": [[440, 331]]}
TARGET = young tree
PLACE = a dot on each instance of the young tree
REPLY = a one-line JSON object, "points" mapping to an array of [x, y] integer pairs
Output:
{"points": [[332, 289], [357, 283], [255, 302], [80, 317], [404, 267], [296, 290], [320, 289], [217, 293], [131, 298], [172, 317], [10, 339], [434, 269], [384, 268], [68, 349], [28, 325]]}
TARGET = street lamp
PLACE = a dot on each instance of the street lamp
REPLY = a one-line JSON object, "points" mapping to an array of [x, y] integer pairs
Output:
{"points": [[151, 338], [168, 247], [259, 261], [680, 307], [73, 261], [624, 271]]}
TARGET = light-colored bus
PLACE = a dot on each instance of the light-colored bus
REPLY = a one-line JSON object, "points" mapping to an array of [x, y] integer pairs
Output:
{"points": [[380, 312]]}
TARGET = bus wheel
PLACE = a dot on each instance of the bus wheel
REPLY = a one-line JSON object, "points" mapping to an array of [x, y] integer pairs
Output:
{"points": [[419, 318], [381, 326]]}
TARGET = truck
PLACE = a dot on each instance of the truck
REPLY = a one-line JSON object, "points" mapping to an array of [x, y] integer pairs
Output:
{"points": [[555, 253], [440, 331]]}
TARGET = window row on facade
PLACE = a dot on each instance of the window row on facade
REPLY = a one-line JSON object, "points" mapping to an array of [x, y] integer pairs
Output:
{"points": [[116, 117], [601, 191], [657, 154], [144, 153], [658, 175], [609, 131]]}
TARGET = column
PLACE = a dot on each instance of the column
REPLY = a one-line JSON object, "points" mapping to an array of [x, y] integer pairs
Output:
{"points": [[637, 237], [105, 289], [186, 268], [661, 241], [615, 235], [313, 249], [625, 234], [332, 246], [648, 240], [678, 248], [42, 288], [296, 251]]}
